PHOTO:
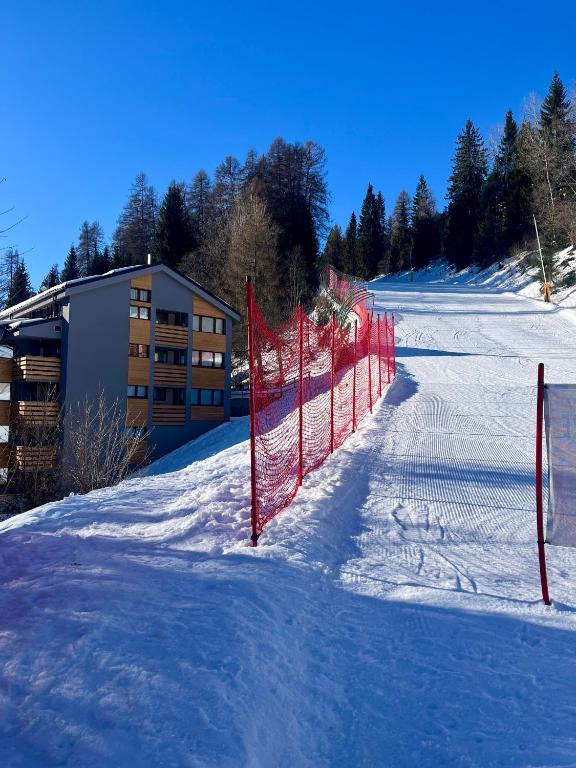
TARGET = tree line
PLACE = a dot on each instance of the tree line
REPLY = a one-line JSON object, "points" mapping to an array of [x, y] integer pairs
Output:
{"points": [[268, 216]]}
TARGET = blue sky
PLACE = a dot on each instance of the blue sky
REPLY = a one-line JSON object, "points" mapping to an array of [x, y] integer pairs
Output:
{"points": [[92, 93]]}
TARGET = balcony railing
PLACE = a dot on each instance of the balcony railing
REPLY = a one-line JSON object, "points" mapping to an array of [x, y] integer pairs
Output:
{"points": [[171, 335], [36, 368], [36, 412], [34, 457], [170, 375], [168, 415]]}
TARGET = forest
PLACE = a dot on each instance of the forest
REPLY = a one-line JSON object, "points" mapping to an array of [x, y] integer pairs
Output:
{"points": [[268, 216]]}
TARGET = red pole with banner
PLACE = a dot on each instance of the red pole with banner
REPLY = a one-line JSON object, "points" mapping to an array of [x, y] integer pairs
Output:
{"points": [[369, 364], [379, 358], [393, 348], [332, 378], [252, 383], [539, 491], [301, 397], [354, 378]]}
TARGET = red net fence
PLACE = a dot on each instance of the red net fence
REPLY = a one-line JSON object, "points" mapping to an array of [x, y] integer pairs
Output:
{"points": [[310, 387]]}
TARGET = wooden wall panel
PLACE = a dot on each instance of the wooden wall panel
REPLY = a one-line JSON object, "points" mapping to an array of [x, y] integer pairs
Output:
{"points": [[202, 307], [170, 375], [138, 370], [142, 281], [139, 331], [168, 415], [5, 370], [137, 412], [140, 448], [5, 411], [5, 455], [171, 336], [37, 412], [210, 342], [208, 378], [208, 412]]}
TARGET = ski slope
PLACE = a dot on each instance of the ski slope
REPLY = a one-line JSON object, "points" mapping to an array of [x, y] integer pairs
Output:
{"points": [[390, 617]]}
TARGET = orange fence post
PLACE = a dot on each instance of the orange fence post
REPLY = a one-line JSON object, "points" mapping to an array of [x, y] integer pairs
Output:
{"points": [[332, 379], [252, 394]]}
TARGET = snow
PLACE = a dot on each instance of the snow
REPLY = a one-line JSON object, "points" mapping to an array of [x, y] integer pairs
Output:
{"points": [[391, 616]]}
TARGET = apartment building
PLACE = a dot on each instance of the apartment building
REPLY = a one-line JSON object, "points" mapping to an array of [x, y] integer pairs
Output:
{"points": [[147, 337]]}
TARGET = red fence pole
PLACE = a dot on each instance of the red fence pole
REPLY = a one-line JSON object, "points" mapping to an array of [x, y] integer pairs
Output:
{"points": [[301, 397], [539, 493], [369, 364], [379, 358], [252, 384], [393, 348], [386, 335], [332, 378], [354, 378]]}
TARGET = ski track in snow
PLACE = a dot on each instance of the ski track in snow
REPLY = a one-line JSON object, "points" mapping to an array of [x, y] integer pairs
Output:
{"points": [[390, 617]]}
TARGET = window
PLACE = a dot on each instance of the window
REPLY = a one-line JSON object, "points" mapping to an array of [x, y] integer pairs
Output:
{"points": [[170, 356], [208, 324], [137, 391], [207, 359], [207, 396], [170, 395], [139, 350], [138, 294], [136, 433], [139, 313], [164, 317]]}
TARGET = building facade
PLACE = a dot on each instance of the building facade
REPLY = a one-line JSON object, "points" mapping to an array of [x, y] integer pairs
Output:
{"points": [[147, 338]]}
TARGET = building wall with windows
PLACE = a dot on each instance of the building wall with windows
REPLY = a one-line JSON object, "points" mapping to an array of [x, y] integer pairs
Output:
{"points": [[147, 338]]}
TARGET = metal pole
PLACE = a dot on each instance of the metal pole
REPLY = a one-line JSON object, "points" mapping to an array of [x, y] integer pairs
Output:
{"points": [[379, 359], [354, 378], [301, 397], [546, 287], [539, 492], [252, 379], [332, 378]]}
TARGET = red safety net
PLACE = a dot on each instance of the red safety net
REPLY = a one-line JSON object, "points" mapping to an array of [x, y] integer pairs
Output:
{"points": [[310, 386]]}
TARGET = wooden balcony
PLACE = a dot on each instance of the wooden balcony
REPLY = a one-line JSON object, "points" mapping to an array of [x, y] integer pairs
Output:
{"points": [[170, 375], [36, 368], [208, 412], [168, 415], [35, 457], [36, 412], [5, 370], [171, 336]]}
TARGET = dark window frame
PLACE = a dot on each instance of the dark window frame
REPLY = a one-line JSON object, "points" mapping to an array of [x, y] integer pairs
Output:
{"points": [[197, 324], [201, 364], [180, 319], [139, 354], [140, 311], [137, 393], [215, 395]]}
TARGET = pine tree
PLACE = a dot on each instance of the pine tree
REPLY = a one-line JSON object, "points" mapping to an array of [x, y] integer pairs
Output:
{"points": [[464, 194], [383, 264], [174, 236], [51, 279], [333, 254], [21, 287], [371, 235], [8, 266], [134, 235], [100, 263], [506, 201], [199, 201], [401, 234], [350, 256], [425, 227], [70, 270]]}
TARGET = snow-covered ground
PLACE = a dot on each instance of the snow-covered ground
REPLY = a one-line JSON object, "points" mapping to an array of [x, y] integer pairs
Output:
{"points": [[390, 617]]}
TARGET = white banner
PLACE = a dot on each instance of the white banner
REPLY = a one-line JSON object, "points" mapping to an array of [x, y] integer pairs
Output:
{"points": [[560, 420]]}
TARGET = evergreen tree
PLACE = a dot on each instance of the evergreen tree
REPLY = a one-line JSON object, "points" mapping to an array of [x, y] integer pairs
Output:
{"points": [[383, 265], [134, 233], [174, 236], [227, 184], [100, 263], [21, 287], [51, 279], [70, 270], [425, 228], [506, 201], [371, 235], [90, 241], [200, 203], [333, 254], [8, 266], [350, 255], [401, 234], [465, 196]]}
